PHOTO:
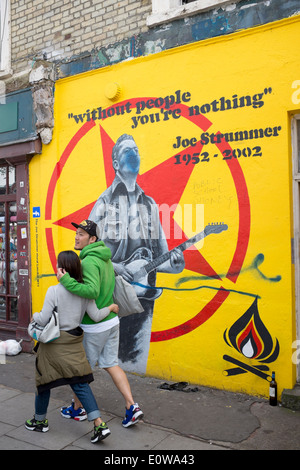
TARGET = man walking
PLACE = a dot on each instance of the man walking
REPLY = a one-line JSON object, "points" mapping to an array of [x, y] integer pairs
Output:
{"points": [[101, 340]]}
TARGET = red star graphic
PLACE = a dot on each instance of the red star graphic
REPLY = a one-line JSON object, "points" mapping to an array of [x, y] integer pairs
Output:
{"points": [[170, 192], [163, 190]]}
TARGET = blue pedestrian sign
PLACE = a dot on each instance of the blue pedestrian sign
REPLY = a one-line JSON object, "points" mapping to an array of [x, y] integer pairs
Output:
{"points": [[36, 212]]}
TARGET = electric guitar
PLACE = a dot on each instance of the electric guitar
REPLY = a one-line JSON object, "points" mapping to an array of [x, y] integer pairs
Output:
{"points": [[142, 266]]}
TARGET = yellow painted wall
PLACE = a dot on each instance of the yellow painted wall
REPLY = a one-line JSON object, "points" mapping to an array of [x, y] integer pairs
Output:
{"points": [[243, 184]]}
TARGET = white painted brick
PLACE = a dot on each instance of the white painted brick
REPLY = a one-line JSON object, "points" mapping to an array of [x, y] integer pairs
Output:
{"points": [[41, 25]]}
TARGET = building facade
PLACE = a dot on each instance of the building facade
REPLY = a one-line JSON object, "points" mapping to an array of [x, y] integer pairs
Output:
{"points": [[204, 212]]}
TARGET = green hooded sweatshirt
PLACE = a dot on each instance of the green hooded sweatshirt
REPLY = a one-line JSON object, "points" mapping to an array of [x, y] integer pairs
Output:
{"points": [[98, 278]]}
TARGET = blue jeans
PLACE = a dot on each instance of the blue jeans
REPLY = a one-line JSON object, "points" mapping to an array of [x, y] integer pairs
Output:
{"points": [[82, 391]]}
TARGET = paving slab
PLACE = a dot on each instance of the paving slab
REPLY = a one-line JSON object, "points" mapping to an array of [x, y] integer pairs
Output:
{"points": [[203, 419]]}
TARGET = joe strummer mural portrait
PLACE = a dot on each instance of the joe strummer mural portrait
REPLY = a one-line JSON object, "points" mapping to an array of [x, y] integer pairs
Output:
{"points": [[130, 226]]}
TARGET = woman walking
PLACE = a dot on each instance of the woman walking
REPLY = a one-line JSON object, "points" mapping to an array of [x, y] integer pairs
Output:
{"points": [[63, 361]]}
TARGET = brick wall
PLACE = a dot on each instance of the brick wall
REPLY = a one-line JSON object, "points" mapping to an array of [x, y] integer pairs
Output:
{"points": [[63, 28]]}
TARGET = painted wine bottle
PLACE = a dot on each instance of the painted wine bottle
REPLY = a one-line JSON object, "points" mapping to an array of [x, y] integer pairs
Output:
{"points": [[273, 391]]}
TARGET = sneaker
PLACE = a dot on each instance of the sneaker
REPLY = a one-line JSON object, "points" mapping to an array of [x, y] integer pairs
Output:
{"points": [[100, 432], [70, 412], [132, 415], [34, 425]]}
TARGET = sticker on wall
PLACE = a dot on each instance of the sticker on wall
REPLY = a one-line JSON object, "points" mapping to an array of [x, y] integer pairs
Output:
{"points": [[36, 212]]}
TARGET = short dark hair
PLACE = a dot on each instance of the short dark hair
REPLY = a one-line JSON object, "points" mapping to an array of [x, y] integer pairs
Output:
{"points": [[90, 227], [115, 149], [70, 262]]}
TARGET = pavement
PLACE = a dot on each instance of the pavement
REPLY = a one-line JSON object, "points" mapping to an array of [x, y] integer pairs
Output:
{"points": [[175, 422]]}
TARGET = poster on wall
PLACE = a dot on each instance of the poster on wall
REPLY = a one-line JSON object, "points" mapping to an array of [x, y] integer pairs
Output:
{"points": [[170, 155]]}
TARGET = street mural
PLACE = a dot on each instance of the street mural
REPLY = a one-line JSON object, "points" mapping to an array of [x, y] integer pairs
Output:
{"points": [[174, 174]]}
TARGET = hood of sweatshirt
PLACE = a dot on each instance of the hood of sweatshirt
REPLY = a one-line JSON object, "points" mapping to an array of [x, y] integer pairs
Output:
{"points": [[97, 250]]}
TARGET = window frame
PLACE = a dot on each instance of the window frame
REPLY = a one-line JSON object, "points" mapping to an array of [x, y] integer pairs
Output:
{"points": [[295, 131], [5, 39], [168, 10]]}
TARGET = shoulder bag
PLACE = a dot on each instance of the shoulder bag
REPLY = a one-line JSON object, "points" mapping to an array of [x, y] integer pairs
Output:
{"points": [[125, 297], [49, 332]]}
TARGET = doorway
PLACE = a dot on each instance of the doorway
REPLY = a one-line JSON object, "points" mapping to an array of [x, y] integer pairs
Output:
{"points": [[15, 299], [8, 245]]}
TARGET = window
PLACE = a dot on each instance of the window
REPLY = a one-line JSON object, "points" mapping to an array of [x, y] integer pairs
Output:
{"points": [[167, 10], [4, 38], [8, 244]]}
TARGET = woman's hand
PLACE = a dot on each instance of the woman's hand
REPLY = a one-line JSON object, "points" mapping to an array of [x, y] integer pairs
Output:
{"points": [[114, 308], [60, 273]]}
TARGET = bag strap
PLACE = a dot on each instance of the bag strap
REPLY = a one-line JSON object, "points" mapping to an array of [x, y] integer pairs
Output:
{"points": [[56, 303]]}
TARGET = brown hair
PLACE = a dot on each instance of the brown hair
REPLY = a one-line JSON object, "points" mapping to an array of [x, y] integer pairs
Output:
{"points": [[70, 262]]}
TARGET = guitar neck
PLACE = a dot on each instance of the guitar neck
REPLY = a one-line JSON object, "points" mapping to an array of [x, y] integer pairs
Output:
{"points": [[152, 265]]}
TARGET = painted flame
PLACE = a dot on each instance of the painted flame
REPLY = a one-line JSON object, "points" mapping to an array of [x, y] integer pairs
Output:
{"points": [[249, 336]]}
